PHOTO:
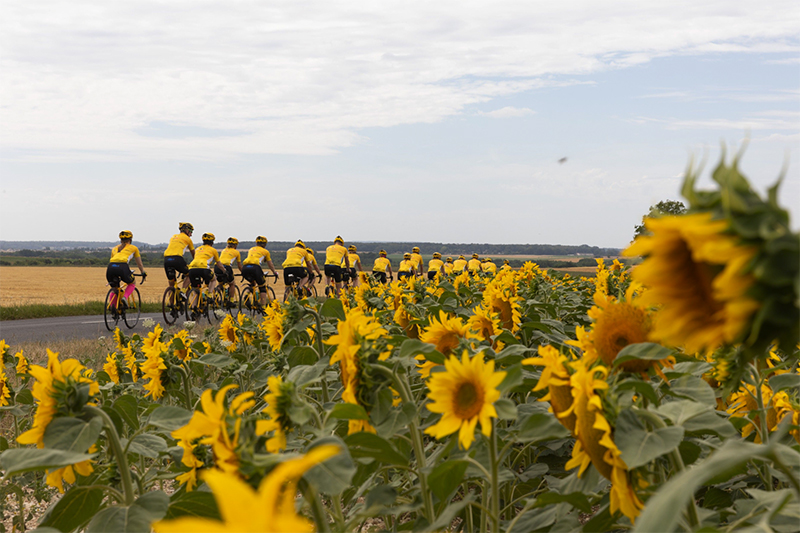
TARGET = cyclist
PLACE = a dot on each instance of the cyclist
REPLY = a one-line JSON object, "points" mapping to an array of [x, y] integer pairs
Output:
{"points": [[448, 265], [224, 269], [200, 268], [312, 261], [296, 268], [506, 265], [355, 264], [407, 267], [474, 264], [335, 257], [435, 266], [118, 268], [459, 265], [173, 255], [488, 266], [417, 259], [381, 266], [252, 270]]}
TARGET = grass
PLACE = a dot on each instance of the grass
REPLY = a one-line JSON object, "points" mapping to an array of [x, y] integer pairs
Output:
{"points": [[19, 312]]}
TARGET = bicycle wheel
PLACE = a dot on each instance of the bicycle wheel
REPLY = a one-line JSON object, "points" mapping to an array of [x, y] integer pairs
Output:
{"points": [[232, 300], [110, 315], [193, 303], [134, 310], [210, 305], [169, 306], [270, 295], [330, 292], [311, 291], [248, 303]]}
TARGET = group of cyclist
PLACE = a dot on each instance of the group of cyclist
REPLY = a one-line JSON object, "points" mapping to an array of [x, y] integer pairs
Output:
{"points": [[342, 264]]}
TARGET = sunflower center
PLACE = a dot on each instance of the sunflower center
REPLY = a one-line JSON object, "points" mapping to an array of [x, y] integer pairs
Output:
{"points": [[701, 275], [621, 342], [468, 401]]}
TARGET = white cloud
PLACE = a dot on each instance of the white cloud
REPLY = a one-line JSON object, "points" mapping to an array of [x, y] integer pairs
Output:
{"points": [[82, 78], [508, 112]]}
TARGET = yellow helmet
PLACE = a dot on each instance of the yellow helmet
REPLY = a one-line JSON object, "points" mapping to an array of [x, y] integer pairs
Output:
{"points": [[185, 226], [475, 256], [233, 241], [300, 243], [406, 256], [448, 260], [125, 234], [339, 240], [351, 248], [437, 255], [415, 250], [261, 240], [208, 237], [461, 257], [382, 253]]}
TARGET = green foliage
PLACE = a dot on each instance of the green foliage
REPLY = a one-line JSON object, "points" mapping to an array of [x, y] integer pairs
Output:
{"points": [[662, 208]]}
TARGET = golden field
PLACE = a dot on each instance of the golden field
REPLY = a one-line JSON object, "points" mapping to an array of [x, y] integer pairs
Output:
{"points": [[27, 285]]}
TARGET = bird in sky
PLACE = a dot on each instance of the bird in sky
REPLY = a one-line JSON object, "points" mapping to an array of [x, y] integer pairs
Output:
{"points": [[562, 160]]}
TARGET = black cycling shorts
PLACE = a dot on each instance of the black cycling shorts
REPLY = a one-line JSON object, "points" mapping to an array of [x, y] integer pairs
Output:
{"points": [[432, 274], [198, 276], [173, 263], [118, 271], [380, 276], [335, 272], [294, 274], [224, 273], [403, 275], [254, 274]]}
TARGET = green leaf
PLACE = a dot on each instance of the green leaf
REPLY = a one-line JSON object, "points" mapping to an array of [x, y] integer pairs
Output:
{"points": [[25, 397], [74, 509], [512, 354], [693, 388], [196, 503], [3, 444], [697, 418], [303, 375], [148, 445], [127, 408], [784, 381], [442, 522], [348, 411], [506, 409], [137, 518], [302, 355], [154, 502], [18, 460], [576, 499], [540, 427], [333, 308], [215, 359], [639, 446], [365, 444], [72, 434], [648, 351], [513, 378], [641, 387], [445, 478], [379, 498], [333, 476], [169, 417], [414, 347]]}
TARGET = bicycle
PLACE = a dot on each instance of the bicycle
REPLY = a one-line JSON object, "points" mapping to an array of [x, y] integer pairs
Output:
{"points": [[227, 297], [127, 309], [249, 300], [200, 303], [173, 301], [305, 292]]}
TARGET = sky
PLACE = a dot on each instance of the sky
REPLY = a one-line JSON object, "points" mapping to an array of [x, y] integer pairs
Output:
{"points": [[385, 121]]}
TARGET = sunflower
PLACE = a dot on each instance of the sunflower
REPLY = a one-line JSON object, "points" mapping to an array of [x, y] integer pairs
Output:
{"points": [[22, 363], [153, 367], [5, 392], [465, 394], [119, 339], [111, 367], [278, 402], [129, 358], [182, 345], [446, 333], [500, 296], [67, 473], [696, 273], [403, 319], [227, 333], [742, 402], [484, 323], [555, 377], [595, 442], [786, 406], [271, 509], [52, 392], [272, 325]]}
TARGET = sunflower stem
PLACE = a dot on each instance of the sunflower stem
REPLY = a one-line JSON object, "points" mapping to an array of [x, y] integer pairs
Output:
{"points": [[495, 485], [321, 352], [187, 390], [317, 510], [762, 421], [116, 446]]}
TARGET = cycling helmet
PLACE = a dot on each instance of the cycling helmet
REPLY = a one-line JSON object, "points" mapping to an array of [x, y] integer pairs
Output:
{"points": [[185, 226], [475, 256], [406, 256], [232, 241], [382, 253], [415, 250], [437, 255], [309, 250], [505, 261], [461, 257], [339, 240], [125, 234], [351, 248], [449, 260], [208, 237], [261, 240], [300, 243]]}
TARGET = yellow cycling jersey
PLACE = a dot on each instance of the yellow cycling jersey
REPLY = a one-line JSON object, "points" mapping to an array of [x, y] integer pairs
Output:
{"points": [[123, 253], [406, 265], [256, 255], [381, 264], [204, 256], [178, 245], [353, 258], [311, 260], [435, 265], [229, 255], [506, 267], [417, 260], [335, 254], [459, 265], [474, 265], [295, 257], [489, 267], [448, 268]]}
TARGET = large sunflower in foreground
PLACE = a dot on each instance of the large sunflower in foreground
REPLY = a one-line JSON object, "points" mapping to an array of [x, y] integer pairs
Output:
{"points": [[270, 509], [464, 394], [697, 274]]}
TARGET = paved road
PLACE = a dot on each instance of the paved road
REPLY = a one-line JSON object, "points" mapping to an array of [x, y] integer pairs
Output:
{"points": [[67, 327]]}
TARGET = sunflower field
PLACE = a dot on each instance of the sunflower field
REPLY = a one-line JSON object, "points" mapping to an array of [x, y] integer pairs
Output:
{"points": [[662, 397]]}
